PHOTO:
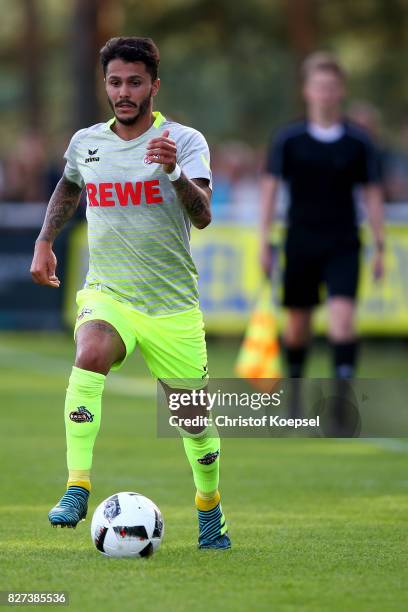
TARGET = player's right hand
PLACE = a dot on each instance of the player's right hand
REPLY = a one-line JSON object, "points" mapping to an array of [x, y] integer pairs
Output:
{"points": [[44, 264], [266, 259]]}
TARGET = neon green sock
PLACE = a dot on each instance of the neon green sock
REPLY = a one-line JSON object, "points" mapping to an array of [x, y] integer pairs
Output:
{"points": [[82, 416], [203, 453]]}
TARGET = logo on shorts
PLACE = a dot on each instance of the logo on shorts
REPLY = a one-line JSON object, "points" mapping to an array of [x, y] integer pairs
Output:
{"points": [[209, 458], [81, 415], [83, 313]]}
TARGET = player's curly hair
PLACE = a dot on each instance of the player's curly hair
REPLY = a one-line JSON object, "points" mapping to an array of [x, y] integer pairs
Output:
{"points": [[321, 60], [132, 49]]}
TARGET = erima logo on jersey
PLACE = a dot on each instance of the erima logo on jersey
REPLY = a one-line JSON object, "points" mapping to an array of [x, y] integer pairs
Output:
{"points": [[109, 194], [91, 157]]}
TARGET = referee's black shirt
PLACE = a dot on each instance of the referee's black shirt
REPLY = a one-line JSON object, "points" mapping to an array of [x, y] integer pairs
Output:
{"points": [[322, 177]]}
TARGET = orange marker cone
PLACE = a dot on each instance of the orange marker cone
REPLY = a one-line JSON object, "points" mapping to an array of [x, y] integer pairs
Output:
{"points": [[259, 355]]}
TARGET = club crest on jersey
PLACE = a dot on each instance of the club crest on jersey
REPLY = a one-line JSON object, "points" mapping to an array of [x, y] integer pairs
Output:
{"points": [[81, 415]]}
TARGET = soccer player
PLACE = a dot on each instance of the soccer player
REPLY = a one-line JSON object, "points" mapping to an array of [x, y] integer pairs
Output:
{"points": [[147, 180], [323, 159]]}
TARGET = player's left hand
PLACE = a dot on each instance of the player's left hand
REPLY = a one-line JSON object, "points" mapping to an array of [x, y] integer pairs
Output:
{"points": [[163, 151], [378, 265]]}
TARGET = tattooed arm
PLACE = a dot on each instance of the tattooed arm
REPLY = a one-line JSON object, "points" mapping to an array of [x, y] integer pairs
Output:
{"points": [[195, 196], [62, 205]]}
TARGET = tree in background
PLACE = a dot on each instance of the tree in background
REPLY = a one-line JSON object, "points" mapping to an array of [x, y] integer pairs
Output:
{"points": [[31, 53], [230, 68]]}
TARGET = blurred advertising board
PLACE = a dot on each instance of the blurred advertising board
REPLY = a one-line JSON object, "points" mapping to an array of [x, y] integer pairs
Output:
{"points": [[24, 305], [226, 256]]}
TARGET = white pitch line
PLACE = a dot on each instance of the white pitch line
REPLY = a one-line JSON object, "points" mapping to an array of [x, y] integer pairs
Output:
{"points": [[115, 383], [395, 445], [132, 387]]}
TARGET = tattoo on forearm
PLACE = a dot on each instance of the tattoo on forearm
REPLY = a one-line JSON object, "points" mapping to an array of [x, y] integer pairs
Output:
{"points": [[62, 205], [195, 201]]}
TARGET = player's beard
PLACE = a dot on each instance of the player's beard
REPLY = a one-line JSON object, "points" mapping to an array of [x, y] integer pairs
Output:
{"points": [[142, 109]]}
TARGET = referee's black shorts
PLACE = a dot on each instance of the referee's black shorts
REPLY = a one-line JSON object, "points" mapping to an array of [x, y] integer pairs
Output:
{"points": [[313, 262]]}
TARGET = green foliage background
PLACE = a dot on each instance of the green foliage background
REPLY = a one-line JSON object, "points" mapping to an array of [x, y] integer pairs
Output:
{"points": [[228, 68]]}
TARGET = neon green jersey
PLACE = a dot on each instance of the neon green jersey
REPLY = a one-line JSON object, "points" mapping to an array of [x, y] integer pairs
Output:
{"points": [[138, 231]]}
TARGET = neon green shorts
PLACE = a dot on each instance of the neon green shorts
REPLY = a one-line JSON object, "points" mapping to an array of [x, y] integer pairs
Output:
{"points": [[173, 346]]}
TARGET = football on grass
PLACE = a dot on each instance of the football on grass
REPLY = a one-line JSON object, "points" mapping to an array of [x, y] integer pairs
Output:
{"points": [[127, 525]]}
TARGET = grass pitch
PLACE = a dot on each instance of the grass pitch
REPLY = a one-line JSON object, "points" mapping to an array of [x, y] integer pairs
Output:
{"points": [[315, 524]]}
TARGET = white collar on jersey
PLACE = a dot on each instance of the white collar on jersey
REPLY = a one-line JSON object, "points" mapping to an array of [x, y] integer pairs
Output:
{"points": [[326, 134]]}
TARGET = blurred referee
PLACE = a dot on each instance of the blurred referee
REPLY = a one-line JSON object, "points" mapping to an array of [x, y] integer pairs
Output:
{"points": [[322, 159]]}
